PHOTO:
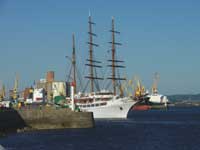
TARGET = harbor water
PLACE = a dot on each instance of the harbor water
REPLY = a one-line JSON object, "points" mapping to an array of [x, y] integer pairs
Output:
{"points": [[173, 129]]}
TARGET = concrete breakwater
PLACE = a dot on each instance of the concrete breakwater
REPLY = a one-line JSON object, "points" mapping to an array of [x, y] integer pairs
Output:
{"points": [[43, 118]]}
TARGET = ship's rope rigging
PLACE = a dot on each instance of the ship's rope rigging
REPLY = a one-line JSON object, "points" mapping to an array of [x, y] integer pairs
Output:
{"points": [[115, 64], [68, 76], [85, 88], [96, 81], [106, 82]]}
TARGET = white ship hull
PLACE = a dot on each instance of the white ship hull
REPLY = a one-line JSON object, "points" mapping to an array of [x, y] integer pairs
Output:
{"points": [[116, 108], [158, 99]]}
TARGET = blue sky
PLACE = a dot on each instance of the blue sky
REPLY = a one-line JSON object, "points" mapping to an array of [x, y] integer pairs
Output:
{"points": [[158, 36]]}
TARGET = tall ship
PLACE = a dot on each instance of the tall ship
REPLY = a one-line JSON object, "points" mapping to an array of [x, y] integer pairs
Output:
{"points": [[103, 103]]}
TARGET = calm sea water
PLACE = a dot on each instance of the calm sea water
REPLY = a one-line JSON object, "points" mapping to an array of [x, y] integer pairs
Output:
{"points": [[175, 129]]}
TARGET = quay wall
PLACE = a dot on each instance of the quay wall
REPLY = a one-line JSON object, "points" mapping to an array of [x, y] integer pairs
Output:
{"points": [[44, 118]]}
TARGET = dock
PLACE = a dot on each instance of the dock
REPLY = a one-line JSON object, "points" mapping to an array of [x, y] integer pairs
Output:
{"points": [[25, 119]]}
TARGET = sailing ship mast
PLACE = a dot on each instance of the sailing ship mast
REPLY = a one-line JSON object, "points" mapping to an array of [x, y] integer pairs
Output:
{"points": [[114, 61], [72, 72], [91, 62], [74, 62]]}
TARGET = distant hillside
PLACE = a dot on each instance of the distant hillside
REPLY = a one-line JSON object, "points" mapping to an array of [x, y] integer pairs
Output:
{"points": [[184, 97]]}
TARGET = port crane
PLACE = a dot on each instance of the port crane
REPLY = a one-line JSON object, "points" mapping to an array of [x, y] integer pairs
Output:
{"points": [[128, 87], [139, 89], [15, 89], [2, 93], [155, 83]]}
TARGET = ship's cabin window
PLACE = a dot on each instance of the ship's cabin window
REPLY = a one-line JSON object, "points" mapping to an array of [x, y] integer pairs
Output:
{"points": [[103, 104]]}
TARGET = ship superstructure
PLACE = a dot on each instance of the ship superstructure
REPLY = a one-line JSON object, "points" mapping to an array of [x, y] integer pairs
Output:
{"points": [[155, 97]]}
